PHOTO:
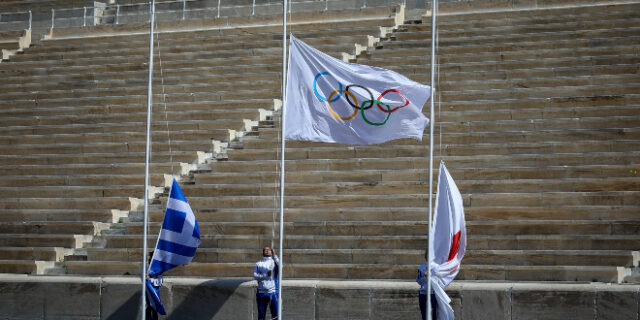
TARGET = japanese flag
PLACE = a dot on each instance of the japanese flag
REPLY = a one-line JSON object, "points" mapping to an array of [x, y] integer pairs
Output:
{"points": [[449, 240]]}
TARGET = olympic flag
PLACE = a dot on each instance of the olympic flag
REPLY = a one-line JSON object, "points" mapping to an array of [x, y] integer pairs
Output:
{"points": [[328, 100]]}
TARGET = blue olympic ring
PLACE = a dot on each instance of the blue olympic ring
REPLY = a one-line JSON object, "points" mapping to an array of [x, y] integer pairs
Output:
{"points": [[315, 87]]}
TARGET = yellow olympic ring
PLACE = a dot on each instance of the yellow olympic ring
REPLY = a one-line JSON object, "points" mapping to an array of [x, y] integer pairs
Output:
{"points": [[355, 110]]}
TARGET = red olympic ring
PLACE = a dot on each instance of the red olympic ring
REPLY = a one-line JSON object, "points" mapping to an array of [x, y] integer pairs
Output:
{"points": [[396, 108]]}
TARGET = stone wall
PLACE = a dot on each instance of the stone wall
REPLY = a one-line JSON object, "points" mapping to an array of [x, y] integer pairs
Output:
{"points": [[50, 297]]}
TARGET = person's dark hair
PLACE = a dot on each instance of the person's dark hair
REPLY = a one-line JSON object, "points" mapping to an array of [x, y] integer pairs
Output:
{"points": [[150, 256]]}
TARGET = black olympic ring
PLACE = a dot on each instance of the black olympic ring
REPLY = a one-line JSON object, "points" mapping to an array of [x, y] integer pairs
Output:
{"points": [[370, 100]]}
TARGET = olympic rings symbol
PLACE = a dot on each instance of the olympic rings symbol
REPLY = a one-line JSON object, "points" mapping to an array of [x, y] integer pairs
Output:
{"points": [[353, 101]]}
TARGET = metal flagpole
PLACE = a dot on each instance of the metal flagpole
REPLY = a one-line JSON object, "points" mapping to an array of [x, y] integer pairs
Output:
{"points": [[282, 125], [431, 126], [146, 163]]}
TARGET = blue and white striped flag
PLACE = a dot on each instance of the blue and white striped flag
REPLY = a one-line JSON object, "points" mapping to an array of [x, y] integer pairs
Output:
{"points": [[179, 237]]}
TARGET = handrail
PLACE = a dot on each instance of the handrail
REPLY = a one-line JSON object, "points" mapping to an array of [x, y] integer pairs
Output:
{"points": [[184, 2], [113, 14]]}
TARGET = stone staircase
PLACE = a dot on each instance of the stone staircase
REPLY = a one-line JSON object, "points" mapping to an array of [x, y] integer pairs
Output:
{"points": [[12, 42], [537, 122], [73, 119]]}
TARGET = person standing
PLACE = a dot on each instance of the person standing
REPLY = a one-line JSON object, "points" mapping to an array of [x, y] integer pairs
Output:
{"points": [[421, 279], [266, 273], [156, 282]]}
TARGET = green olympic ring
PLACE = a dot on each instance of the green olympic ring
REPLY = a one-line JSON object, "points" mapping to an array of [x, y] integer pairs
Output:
{"points": [[379, 103]]}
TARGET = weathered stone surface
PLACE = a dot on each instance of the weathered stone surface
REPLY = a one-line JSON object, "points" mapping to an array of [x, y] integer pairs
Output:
{"points": [[21, 299], [120, 298], [495, 303], [69, 298], [211, 299], [63, 297], [619, 303], [340, 301], [538, 302], [299, 300], [394, 304]]}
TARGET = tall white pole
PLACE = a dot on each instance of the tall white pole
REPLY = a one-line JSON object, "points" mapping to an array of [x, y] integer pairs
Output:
{"points": [[146, 162], [282, 147], [432, 122]]}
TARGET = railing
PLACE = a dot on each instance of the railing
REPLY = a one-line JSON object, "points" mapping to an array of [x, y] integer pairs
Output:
{"points": [[175, 10]]}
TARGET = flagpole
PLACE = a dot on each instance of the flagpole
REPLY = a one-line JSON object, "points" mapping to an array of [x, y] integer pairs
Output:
{"points": [[146, 163], [431, 126], [282, 147]]}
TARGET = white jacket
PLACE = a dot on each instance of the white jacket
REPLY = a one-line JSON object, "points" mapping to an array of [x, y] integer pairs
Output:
{"points": [[266, 283]]}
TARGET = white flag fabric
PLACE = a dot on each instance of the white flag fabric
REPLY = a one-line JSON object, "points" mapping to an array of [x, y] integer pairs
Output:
{"points": [[449, 240], [328, 100]]}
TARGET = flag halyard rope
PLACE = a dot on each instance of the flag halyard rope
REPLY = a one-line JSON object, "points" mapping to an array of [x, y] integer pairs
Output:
{"points": [[164, 100]]}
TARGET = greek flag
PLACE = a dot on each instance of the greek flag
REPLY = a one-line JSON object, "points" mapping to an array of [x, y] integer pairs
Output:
{"points": [[179, 237]]}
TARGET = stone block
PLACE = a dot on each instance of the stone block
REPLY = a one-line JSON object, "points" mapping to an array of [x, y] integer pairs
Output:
{"points": [[299, 301], [18, 266], [121, 299], [617, 304], [342, 303], [537, 302], [68, 298], [394, 304], [22, 300], [495, 304], [213, 299], [303, 271]]}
